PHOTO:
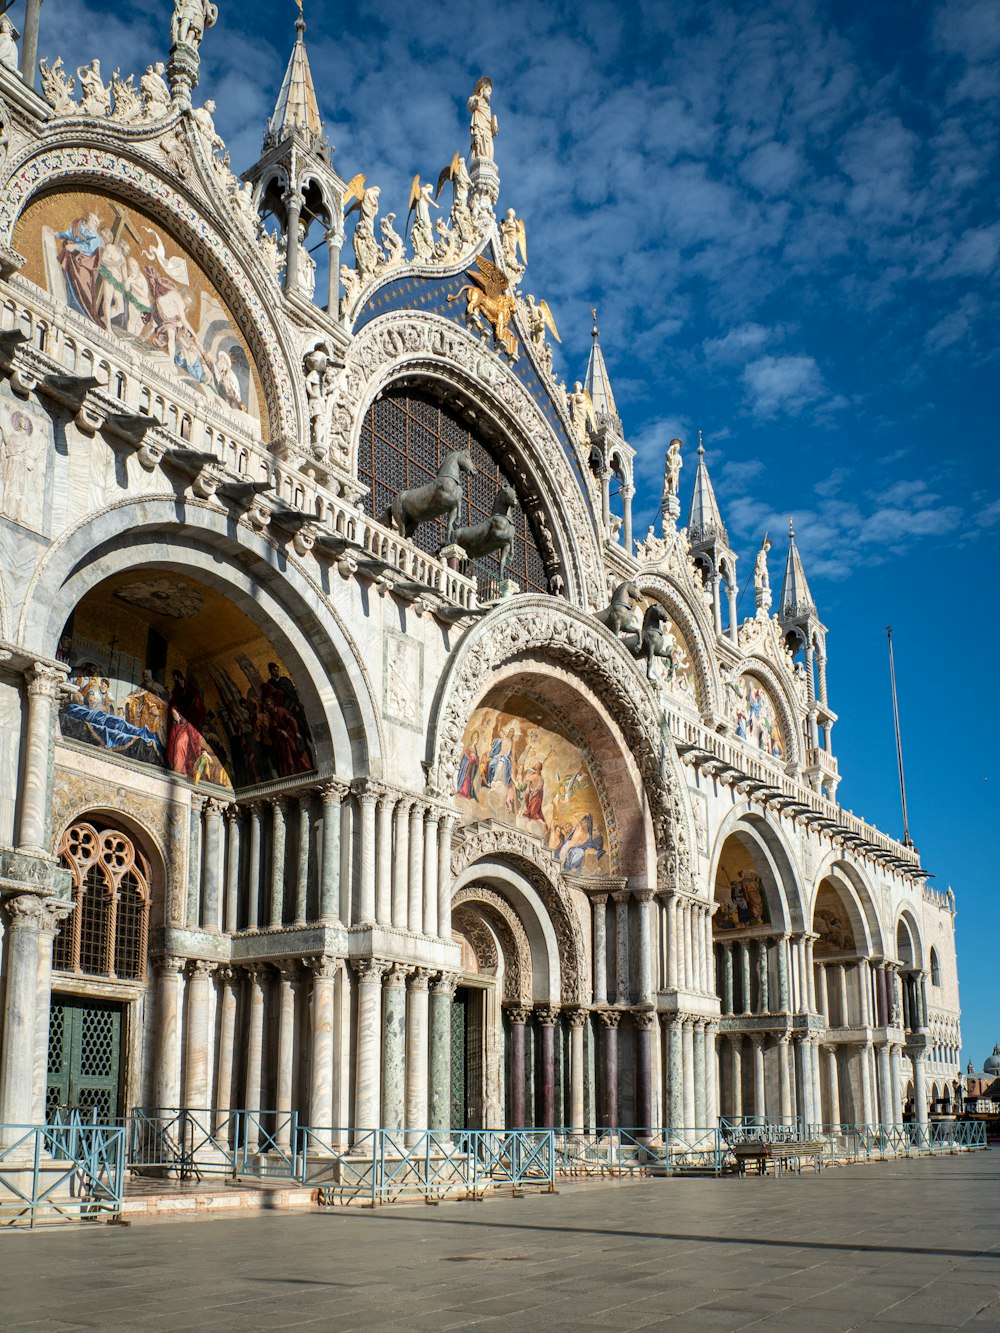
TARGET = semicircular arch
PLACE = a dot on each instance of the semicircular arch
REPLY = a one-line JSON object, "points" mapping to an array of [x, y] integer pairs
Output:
{"points": [[196, 539], [780, 696], [774, 853], [696, 633], [859, 899]]}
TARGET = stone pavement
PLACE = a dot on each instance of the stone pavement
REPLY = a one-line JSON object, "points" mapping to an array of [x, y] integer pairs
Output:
{"points": [[912, 1244]]}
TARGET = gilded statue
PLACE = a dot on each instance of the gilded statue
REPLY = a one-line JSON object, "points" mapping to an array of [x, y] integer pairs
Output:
{"points": [[488, 295], [483, 127]]}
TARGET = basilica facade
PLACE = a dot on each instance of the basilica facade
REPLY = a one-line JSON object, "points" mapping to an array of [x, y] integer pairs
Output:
{"points": [[358, 760]]}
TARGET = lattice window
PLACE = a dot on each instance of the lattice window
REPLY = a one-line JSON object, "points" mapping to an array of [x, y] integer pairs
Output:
{"points": [[404, 439], [106, 935]]}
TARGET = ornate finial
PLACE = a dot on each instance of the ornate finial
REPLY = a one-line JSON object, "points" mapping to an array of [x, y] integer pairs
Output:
{"points": [[701, 447], [595, 331], [300, 22], [791, 529]]}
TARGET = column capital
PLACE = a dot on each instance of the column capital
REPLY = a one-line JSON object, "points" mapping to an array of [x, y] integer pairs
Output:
{"points": [[396, 976], [645, 895], [367, 793], [166, 963], [227, 975], [324, 967], [256, 973], [432, 815], [216, 807], [44, 680], [233, 812], [333, 791], [200, 967], [609, 1017], [621, 896], [547, 1015], [279, 804], [518, 1013], [645, 1020], [599, 899], [576, 1018], [445, 983], [369, 971], [756, 1039], [420, 978], [289, 969]]}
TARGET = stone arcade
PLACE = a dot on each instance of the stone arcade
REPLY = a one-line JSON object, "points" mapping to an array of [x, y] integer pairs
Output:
{"points": [[302, 814]]}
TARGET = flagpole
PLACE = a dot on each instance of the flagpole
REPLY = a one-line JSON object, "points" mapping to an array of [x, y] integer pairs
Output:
{"points": [[907, 840]]}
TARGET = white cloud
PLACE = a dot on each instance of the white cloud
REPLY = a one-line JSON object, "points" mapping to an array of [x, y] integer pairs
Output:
{"points": [[783, 385]]}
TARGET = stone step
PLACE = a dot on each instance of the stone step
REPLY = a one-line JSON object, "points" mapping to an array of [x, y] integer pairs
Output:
{"points": [[156, 1199]]}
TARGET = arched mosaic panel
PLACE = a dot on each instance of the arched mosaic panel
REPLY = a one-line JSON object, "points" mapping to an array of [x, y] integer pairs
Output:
{"points": [[755, 717]]}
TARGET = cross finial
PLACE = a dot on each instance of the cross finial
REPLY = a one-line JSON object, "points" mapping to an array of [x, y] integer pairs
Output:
{"points": [[300, 22]]}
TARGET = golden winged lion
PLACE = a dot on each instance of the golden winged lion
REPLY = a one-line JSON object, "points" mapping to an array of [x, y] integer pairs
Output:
{"points": [[487, 295]]}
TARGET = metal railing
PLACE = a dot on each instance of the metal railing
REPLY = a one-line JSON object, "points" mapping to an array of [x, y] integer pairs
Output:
{"points": [[68, 1171]]}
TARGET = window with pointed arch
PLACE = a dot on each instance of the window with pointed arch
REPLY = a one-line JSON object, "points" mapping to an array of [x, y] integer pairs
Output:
{"points": [[935, 968], [106, 933]]}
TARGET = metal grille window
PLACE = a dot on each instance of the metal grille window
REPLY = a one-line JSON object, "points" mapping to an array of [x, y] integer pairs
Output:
{"points": [[404, 440], [106, 934]]}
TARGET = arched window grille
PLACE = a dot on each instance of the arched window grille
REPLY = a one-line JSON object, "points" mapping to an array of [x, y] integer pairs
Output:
{"points": [[405, 437], [106, 934], [935, 968]]}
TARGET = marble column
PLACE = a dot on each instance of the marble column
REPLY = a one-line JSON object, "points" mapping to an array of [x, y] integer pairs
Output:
{"points": [[329, 877], [415, 887], [675, 1060], [368, 1066], [759, 1084], [254, 866], [882, 995], [394, 1048], [445, 830], [417, 1054], [865, 982], [383, 864], [784, 1080], [52, 918], [256, 980], [442, 994], [292, 200], [300, 913], [577, 1019], [736, 1075], [547, 1017], [288, 979], [599, 904], [276, 913], [687, 1038], [645, 1024], [783, 990], [211, 865], [919, 1087], [745, 978], [644, 897], [763, 979], [324, 986], [517, 1016], [698, 1072], [884, 1085], [366, 801], [833, 1086], [610, 1018], [192, 917], [167, 1069], [400, 862], [712, 1073], [687, 946], [196, 1087], [896, 1092], [823, 994], [234, 834], [673, 976], [842, 1004], [622, 987], [222, 1099], [810, 970], [865, 1055], [728, 978], [35, 823], [430, 912]]}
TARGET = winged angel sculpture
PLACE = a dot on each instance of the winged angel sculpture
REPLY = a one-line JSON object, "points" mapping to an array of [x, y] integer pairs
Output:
{"points": [[488, 295]]}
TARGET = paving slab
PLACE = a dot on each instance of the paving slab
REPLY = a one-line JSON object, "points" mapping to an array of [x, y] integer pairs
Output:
{"points": [[900, 1244]]}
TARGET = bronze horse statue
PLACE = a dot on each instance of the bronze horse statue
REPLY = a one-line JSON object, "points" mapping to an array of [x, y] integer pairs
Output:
{"points": [[495, 533], [619, 616], [652, 642], [435, 499]]}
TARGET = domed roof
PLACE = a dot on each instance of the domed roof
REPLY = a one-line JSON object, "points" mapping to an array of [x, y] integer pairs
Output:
{"points": [[992, 1065]]}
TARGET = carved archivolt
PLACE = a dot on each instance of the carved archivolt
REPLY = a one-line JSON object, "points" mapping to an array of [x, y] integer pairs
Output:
{"points": [[778, 690], [555, 630], [414, 343], [682, 605], [54, 165], [476, 901]]}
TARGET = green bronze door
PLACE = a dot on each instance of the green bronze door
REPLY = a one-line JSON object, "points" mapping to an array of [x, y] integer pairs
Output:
{"points": [[459, 1018], [84, 1056]]}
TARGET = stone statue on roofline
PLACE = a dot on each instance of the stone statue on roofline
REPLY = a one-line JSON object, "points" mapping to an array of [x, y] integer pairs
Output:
{"points": [[761, 579], [190, 20], [483, 126], [8, 44]]}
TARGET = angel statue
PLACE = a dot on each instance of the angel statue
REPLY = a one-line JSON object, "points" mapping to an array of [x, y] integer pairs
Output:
{"points": [[483, 127], [461, 182], [368, 257], [539, 318], [512, 239], [392, 241], [421, 203], [488, 295], [581, 412]]}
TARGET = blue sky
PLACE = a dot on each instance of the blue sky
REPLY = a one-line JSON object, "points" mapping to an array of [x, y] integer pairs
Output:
{"points": [[786, 215]]}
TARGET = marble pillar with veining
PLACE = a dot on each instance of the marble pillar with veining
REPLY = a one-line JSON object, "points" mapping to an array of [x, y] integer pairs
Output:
{"points": [[394, 1047]]}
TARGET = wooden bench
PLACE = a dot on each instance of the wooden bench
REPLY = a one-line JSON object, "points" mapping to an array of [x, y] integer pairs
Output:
{"points": [[782, 1156]]}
